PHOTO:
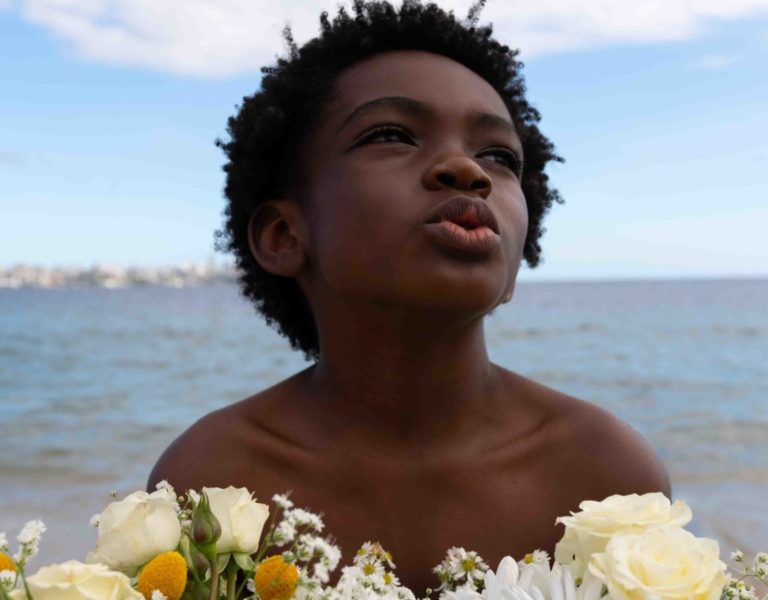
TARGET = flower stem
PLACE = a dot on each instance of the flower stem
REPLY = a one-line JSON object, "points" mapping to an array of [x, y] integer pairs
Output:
{"points": [[231, 579], [214, 590], [26, 587]]}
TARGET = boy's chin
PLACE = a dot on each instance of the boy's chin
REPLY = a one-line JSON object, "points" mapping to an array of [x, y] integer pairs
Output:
{"points": [[466, 301]]}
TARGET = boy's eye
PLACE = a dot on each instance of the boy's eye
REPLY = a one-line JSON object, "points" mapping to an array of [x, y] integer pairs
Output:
{"points": [[508, 158], [395, 133], [387, 133]]}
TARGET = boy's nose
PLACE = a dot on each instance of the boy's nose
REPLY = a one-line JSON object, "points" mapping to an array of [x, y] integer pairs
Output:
{"points": [[459, 172]]}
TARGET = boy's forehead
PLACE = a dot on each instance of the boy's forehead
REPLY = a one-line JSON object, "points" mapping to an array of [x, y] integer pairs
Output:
{"points": [[443, 84]]}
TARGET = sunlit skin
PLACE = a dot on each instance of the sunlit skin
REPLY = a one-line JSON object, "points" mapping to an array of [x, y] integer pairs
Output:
{"points": [[404, 432]]}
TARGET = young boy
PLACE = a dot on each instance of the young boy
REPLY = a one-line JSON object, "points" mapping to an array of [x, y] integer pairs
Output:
{"points": [[384, 186]]}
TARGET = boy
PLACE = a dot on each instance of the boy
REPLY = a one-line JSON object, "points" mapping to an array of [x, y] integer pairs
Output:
{"points": [[383, 189]]}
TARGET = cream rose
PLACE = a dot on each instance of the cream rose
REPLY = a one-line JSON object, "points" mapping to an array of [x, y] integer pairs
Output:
{"points": [[135, 530], [589, 530], [241, 518], [74, 580], [666, 563]]}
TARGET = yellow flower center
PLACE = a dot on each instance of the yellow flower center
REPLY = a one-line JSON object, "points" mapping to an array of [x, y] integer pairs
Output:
{"points": [[167, 572], [369, 569], [6, 564], [276, 579], [468, 564], [387, 578], [528, 558]]}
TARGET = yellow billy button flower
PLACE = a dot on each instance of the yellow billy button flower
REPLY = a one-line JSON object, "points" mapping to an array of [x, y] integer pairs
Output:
{"points": [[6, 564], [276, 579], [167, 572]]}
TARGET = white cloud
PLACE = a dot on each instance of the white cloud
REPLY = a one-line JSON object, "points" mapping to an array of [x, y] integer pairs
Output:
{"points": [[221, 38]]}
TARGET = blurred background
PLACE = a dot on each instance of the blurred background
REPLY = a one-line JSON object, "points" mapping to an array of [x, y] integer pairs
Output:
{"points": [[119, 326]]}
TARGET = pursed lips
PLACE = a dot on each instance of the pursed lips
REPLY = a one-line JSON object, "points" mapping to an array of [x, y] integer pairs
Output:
{"points": [[469, 213]]}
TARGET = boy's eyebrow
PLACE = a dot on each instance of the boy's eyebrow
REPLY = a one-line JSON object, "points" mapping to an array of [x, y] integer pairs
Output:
{"points": [[420, 109]]}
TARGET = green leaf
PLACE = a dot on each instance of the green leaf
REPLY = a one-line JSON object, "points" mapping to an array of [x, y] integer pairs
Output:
{"points": [[244, 561], [222, 560]]}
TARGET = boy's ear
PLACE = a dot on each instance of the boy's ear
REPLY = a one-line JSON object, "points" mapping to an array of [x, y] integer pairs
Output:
{"points": [[277, 235]]}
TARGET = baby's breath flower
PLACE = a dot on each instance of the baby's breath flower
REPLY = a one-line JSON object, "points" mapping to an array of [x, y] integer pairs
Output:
{"points": [[282, 501], [3, 542], [737, 556], [158, 595], [329, 553], [285, 532], [761, 557], [31, 532], [7, 580], [320, 571], [304, 518], [164, 485], [94, 522]]}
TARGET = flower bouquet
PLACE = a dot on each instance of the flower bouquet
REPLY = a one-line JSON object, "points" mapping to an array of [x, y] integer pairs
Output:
{"points": [[223, 544]]}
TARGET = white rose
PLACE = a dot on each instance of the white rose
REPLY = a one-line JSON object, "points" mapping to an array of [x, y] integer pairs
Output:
{"points": [[74, 580], [241, 518], [135, 530], [589, 530], [663, 563]]}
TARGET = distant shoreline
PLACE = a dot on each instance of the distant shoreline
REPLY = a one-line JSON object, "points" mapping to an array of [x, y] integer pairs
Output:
{"points": [[107, 276], [196, 274]]}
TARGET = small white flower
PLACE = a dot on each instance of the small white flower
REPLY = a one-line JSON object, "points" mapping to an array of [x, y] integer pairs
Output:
{"points": [[157, 594], [737, 556], [164, 485], [282, 501], [305, 548], [31, 532], [305, 518], [328, 553], [391, 580], [761, 557], [535, 557], [285, 532], [3, 542], [371, 567], [94, 522], [250, 585], [7, 579]]}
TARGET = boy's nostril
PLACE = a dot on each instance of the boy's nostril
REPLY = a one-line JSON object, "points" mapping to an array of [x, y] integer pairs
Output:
{"points": [[446, 179]]}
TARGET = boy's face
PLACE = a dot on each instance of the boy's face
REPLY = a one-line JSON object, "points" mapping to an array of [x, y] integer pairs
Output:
{"points": [[371, 193]]}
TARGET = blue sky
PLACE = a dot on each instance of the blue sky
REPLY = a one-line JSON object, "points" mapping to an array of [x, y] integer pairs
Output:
{"points": [[109, 111]]}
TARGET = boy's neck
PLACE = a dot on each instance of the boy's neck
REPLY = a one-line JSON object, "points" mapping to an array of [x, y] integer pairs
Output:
{"points": [[401, 381]]}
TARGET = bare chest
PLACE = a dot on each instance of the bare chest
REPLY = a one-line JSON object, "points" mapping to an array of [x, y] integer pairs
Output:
{"points": [[418, 511]]}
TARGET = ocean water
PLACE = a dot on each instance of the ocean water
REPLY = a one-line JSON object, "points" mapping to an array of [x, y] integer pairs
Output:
{"points": [[95, 383]]}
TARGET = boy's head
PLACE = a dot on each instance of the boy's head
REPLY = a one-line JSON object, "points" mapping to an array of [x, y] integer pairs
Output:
{"points": [[301, 157]]}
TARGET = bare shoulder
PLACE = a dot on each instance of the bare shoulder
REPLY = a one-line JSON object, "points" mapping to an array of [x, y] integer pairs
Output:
{"points": [[229, 446], [591, 447]]}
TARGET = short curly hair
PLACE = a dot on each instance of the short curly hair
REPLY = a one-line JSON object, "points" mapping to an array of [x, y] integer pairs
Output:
{"points": [[270, 126]]}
